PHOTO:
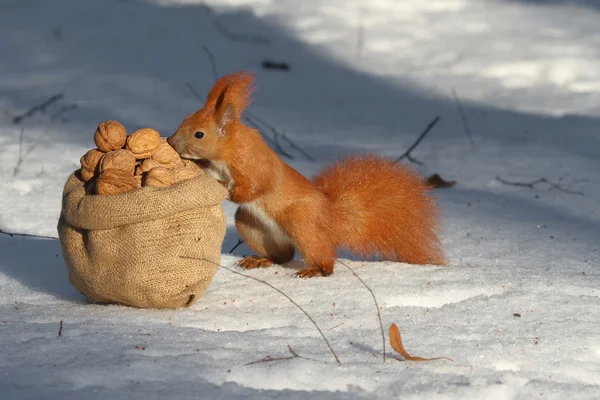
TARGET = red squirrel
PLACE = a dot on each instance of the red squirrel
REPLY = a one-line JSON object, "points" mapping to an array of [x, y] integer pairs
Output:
{"points": [[367, 204]]}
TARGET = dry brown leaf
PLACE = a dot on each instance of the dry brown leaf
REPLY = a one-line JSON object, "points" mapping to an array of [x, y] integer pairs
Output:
{"points": [[396, 343], [436, 181]]}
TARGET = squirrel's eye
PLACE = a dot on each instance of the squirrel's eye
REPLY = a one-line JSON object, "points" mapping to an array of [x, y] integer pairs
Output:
{"points": [[199, 135]]}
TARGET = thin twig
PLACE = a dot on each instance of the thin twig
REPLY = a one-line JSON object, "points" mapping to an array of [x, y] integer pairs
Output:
{"points": [[416, 143], [463, 116], [60, 326], [194, 92], [273, 130], [39, 108], [62, 110], [24, 154], [532, 184], [233, 36], [20, 159], [337, 360], [374, 299], [274, 141], [269, 359], [293, 355], [213, 63], [333, 327], [12, 234], [240, 241], [297, 148]]}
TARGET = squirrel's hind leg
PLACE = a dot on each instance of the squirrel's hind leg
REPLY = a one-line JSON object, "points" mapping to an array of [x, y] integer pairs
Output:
{"points": [[270, 249]]}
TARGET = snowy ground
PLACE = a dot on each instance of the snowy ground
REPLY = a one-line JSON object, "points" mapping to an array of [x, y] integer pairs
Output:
{"points": [[365, 76]]}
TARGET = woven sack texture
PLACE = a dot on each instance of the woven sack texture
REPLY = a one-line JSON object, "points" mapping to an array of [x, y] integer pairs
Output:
{"points": [[127, 248]]}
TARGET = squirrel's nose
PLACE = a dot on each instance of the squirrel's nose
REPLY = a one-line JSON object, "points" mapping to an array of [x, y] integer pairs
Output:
{"points": [[170, 141]]}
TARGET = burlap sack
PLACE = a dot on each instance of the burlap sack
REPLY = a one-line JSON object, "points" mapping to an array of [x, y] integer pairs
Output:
{"points": [[126, 248]]}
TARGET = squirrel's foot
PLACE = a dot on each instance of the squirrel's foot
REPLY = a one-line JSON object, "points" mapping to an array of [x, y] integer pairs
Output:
{"points": [[254, 262], [312, 272]]}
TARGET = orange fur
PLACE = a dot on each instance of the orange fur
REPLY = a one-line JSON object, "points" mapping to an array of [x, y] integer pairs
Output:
{"points": [[381, 207], [368, 204]]}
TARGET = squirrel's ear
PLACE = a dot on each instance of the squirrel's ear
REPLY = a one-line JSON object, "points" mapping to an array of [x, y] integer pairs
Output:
{"points": [[226, 116]]}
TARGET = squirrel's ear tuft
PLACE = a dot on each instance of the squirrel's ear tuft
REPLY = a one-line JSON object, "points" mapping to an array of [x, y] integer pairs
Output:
{"points": [[233, 89]]}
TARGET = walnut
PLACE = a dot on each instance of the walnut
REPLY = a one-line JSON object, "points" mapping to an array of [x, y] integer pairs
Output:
{"points": [[114, 181], [89, 161], [143, 142], [110, 135], [87, 174], [147, 165], [183, 172], [159, 177], [166, 155], [118, 159], [138, 180]]}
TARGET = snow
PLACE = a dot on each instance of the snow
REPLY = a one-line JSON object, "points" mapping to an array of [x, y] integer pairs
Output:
{"points": [[527, 75]]}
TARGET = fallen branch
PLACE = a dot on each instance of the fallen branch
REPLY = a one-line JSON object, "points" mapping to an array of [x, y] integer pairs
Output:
{"points": [[532, 184], [337, 360], [376, 304], [416, 143], [463, 117], [39, 108], [12, 234], [253, 39]]}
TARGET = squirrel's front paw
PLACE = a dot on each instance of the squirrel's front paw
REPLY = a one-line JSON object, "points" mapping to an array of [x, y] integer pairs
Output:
{"points": [[254, 262], [312, 272]]}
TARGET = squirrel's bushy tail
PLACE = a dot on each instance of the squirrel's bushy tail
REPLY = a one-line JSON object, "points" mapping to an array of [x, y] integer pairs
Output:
{"points": [[383, 208]]}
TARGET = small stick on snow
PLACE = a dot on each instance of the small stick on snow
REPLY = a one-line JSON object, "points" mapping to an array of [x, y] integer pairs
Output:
{"points": [[39, 108], [240, 241], [233, 36], [532, 184], [60, 326], [24, 154], [374, 299], [416, 143], [463, 117], [337, 360], [12, 234], [269, 358]]}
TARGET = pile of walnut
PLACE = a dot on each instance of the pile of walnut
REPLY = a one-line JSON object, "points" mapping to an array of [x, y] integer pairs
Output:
{"points": [[121, 163]]}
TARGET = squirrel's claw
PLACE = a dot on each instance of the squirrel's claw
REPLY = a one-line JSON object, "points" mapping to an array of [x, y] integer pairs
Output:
{"points": [[253, 262], [311, 273]]}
